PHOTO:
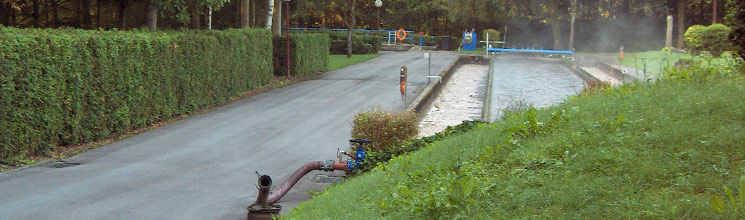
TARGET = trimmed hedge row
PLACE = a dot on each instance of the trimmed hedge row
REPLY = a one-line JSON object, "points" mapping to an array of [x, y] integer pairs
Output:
{"points": [[309, 54], [63, 87], [361, 43]]}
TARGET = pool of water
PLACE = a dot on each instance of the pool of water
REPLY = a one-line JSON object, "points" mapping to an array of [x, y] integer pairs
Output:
{"points": [[518, 82]]}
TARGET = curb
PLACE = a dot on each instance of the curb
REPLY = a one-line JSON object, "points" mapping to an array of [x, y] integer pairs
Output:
{"points": [[587, 77], [486, 111], [424, 100]]}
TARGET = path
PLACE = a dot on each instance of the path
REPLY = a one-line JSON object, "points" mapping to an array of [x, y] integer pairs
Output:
{"points": [[203, 167]]}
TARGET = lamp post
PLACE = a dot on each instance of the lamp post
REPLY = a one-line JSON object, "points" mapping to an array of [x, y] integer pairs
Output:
{"points": [[287, 35], [378, 4]]}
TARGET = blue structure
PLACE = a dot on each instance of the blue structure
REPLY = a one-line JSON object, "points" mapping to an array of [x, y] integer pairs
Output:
{"points": [[513, 50], [469, 41]]}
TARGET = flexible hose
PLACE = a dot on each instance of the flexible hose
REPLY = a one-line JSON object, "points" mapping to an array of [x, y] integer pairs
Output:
{"points": [[299, 173]]}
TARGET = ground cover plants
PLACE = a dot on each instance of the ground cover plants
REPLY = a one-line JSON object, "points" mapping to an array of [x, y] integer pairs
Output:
{"points": [[671, 149], [340, 61]]}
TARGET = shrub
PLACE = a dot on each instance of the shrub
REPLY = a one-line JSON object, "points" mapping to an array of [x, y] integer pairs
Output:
{"points": [[712, 38], [694, 37], [493, 34], [386, 129], [715, 38], [310, 54], [66, 87], [386, 154], [361, 43]]}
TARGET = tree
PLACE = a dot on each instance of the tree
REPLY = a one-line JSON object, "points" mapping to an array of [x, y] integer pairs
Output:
{"points": [[681, 8], [350, 21], [277, 18], [244, 20], [152, 15], [737, 36]]}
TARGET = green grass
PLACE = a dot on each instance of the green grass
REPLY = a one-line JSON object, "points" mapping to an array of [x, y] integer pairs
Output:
{"points": [[656, 61], [340, 61], [658, 151], [653, 62]]}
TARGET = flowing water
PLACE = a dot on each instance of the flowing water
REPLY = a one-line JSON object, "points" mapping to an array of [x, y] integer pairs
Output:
{"points": [[518, 82]]}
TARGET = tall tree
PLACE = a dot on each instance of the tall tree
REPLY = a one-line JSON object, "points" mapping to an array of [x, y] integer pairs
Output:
{"points": [[244, 14], [681, 8], [277, 18], [151, 10], [85, 14], [269, 14]]}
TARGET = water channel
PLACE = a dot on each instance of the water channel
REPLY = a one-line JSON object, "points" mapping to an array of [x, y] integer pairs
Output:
{"points": [[524, 81]]}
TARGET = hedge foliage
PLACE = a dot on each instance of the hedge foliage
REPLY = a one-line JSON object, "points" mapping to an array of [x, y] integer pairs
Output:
{"points": [[361, 43], [65, 87], [309, 54], [385, 129], [713, 38]]}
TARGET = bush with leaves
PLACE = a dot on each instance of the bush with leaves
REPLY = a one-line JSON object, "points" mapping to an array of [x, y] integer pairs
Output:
{"points": [[386, 129], [694, 38], [712, 38], [68, 86], [309, 54]]}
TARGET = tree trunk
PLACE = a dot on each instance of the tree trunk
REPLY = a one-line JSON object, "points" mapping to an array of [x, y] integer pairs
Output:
{"points": [[35, 13], [244, 20], [194, 17], [152, 15], [4, 16], [571, 28], [556, 31], [714, 14], [209, 18], [122, 20], [55, 12], [85, 14], [277, 19], [681, 23], [269, 14], [98, 12], [13, 16], [350, 26]]}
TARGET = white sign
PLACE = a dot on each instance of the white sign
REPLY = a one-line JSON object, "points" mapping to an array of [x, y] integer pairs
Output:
{"points": [[426, 55]]}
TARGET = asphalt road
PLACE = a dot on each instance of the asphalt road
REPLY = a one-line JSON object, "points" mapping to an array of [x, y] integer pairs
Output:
{"points": [[203, 167]]}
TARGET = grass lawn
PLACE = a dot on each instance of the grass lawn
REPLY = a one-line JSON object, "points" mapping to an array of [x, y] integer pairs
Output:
{"points": [[660, 151], [655, 62], [340, 61]]}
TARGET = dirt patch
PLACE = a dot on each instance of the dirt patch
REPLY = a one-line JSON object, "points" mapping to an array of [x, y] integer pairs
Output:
{"points": [[462, 98]]}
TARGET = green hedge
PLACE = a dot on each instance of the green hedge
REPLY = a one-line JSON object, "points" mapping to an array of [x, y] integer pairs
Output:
{"points": [[712, 38], [309, 54], [361, 43], [64, 86]]}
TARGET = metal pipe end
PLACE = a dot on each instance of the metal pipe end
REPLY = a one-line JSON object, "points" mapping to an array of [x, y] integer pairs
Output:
{"points": [[265, 182]]}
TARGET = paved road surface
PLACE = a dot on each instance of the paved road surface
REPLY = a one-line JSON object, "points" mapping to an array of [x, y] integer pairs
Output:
{"points": [[203, 167]]}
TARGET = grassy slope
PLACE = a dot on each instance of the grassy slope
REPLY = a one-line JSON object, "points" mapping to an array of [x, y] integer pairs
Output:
{"points": [[340, 61], [633, 152]]}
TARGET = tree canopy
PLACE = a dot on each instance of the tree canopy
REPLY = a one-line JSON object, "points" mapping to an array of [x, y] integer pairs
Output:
{"points": [[534, 19]]}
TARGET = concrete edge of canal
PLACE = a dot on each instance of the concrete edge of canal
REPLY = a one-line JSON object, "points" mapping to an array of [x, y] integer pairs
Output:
{"points": [[424, 100]]}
